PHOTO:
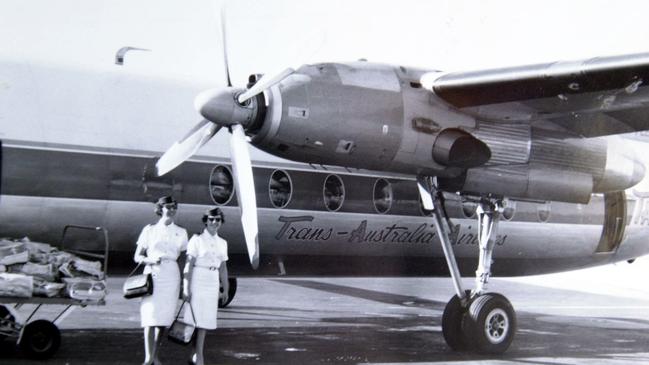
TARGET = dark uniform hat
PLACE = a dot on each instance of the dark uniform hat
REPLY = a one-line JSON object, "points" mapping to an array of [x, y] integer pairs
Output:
{"points": [[214, 212], [164, 201]]}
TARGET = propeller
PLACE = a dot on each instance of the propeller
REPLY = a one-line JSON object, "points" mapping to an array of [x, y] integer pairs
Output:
{"points": [[266, 82], [308, 46], [245, 188], [180, 151], [237, 109]]}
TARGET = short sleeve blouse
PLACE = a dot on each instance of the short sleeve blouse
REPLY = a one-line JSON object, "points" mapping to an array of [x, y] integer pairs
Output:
{"points": [[208, 250], [163, 241]]}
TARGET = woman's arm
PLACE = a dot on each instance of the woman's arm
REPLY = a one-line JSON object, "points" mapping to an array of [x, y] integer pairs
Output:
{"points": [[223, 276], [187, 276], [141, 258]]}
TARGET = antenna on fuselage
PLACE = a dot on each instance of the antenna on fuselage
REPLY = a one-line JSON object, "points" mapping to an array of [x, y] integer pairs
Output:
{"points": [[119, 56]]}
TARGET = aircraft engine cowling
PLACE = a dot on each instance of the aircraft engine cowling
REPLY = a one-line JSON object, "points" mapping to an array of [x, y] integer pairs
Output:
{"points": [[457, 148], [364, 115], [378, 117], [569, 171]]}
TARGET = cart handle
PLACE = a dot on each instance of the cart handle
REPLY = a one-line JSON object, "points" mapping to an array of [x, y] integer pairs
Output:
{"points": [[89, 254]]}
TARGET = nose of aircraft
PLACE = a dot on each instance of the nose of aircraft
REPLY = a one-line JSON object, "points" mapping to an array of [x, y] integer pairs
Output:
{"points": [[220, 106]]}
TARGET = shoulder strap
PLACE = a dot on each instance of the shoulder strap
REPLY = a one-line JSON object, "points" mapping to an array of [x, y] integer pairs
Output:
{"points": [[132, 272], [190, 309]]}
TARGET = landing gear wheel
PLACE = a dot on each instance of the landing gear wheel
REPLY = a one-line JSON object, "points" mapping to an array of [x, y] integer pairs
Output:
{"points": [[40, 339], [231, 292], [490, 324], [452, 324]]}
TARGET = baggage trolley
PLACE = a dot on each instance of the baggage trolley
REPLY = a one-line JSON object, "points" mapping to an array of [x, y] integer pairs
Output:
{"points": [[41, 338]]}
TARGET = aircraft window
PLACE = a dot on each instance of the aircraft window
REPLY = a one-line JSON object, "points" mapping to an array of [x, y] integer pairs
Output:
{"points": [[544, 212], [469, 208], [382, 195], [280, 189], [221, 185], [510, 210], [334, 193]]}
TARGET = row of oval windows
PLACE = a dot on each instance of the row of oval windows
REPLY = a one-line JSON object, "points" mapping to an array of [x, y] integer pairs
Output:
{"points": [[280, 188]]}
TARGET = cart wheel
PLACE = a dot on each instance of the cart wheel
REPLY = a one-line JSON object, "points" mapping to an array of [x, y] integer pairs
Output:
{"points": [[40, 340]]}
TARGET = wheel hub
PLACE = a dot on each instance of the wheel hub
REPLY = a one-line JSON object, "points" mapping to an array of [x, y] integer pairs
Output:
{"points": [[496, 326]]}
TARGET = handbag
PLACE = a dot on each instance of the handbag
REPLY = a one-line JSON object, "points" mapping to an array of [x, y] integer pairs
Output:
{"points": [[137, 286], [180, 331]]}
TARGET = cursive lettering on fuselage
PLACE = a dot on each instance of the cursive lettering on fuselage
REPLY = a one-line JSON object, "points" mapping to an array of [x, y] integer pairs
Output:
{"points": [[302, 228]]}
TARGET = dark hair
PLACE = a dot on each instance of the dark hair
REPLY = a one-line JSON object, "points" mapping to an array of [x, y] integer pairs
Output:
{"points": [[163, 201], [214, 212]]}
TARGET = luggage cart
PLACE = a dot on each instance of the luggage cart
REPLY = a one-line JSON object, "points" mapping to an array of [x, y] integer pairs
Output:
{"points": [[41, 338]]}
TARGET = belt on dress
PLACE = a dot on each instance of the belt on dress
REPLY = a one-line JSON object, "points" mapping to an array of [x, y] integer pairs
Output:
{"points": [[164, 260], [211, 268]]}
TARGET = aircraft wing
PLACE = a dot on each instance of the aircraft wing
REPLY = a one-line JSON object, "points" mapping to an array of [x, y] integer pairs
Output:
{"points": [[595, 97]]}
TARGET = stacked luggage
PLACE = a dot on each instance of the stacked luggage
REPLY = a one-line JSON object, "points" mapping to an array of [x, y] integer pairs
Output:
{"points": [[33, 269]]}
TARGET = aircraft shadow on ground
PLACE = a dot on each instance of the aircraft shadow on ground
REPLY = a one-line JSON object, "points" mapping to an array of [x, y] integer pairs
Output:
{"points": [[373, 295]]}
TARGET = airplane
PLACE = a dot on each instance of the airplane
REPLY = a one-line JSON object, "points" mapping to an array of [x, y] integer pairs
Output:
{"points": [[398, 171], [535, 133]]}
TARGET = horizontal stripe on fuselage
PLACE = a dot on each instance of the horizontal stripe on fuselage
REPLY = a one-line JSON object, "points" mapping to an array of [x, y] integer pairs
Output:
{"points": [[64, 173]]}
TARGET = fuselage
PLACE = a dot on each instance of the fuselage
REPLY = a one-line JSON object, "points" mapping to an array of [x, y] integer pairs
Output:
{"points": [[70, 157]]}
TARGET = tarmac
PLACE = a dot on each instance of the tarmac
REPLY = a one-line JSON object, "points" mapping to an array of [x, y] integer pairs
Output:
{"points": [[595, 316]]}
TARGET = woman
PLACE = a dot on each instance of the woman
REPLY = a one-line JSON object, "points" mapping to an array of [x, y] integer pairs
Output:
{"points": [[158, 247], [205, 267]]}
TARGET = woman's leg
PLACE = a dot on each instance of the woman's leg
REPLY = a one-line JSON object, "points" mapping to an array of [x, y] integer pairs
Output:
{"points": [[158, 341], [200, 342], [149, 345]]}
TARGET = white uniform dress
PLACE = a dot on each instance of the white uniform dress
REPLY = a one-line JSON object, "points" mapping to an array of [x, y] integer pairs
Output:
{"points": [[209, 252], [164, 242]]}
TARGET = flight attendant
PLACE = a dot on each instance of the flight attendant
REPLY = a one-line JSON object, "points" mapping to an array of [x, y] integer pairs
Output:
{"points": [[207, 254], [159, 246]]}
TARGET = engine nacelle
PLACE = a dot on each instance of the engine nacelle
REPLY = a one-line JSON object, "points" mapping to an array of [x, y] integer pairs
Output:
{"points": [[367, 116], [457, 148], [378, 117], [569, 171]]}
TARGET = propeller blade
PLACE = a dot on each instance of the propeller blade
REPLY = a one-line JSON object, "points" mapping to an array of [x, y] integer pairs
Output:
{"points": [[424, 194], [264, 83], [224, 43], [180, 151], [245, 187]]}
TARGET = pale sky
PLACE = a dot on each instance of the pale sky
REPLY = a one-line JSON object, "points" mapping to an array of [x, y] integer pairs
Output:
{"points": [[264, 35]]}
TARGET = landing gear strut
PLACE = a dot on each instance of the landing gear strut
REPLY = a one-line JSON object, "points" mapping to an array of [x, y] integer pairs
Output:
{"points": [[472, 320]]}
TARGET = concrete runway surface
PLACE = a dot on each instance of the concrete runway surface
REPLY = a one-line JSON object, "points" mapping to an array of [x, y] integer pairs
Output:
{"points": [[595, 316]]}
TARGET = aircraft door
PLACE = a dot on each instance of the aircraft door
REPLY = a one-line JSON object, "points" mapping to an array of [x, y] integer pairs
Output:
{"points": [[614, 222]]}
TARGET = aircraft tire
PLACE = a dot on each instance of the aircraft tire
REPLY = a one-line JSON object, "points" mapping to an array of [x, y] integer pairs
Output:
{"points": [[40, 339], [231, 292], [452, 324], [490, 324]]}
